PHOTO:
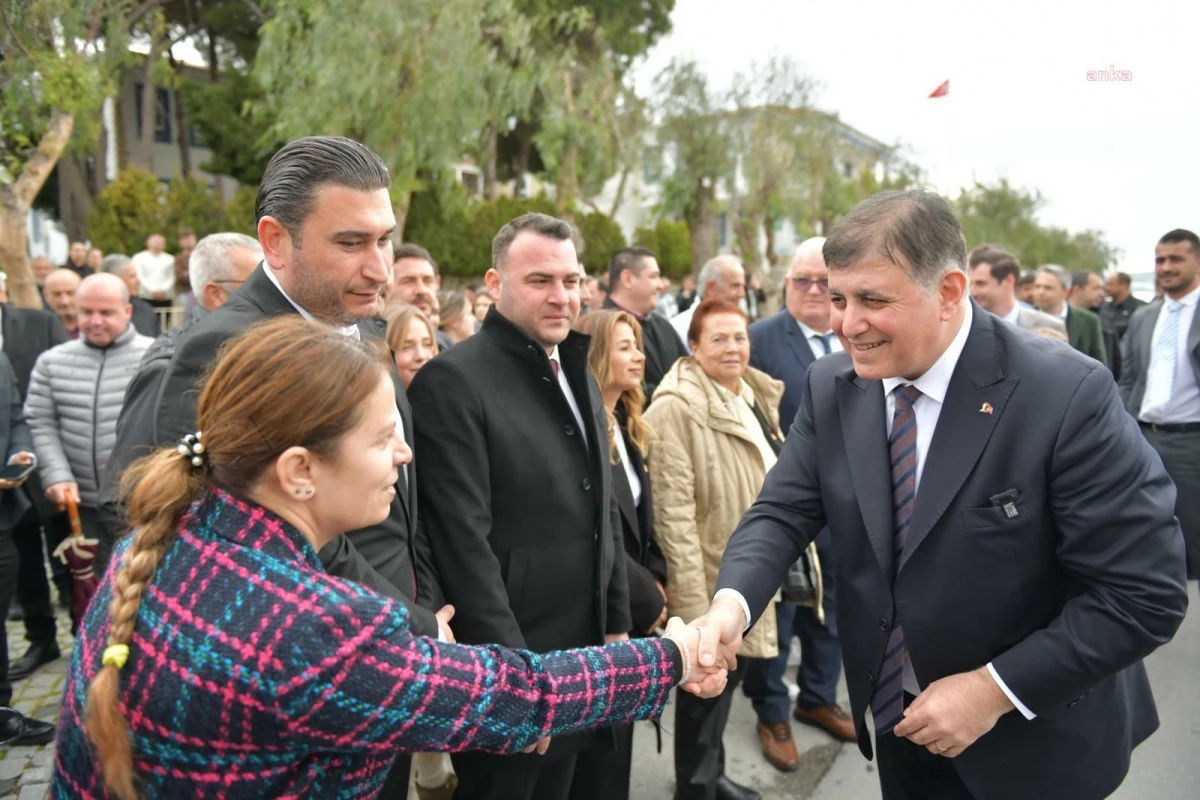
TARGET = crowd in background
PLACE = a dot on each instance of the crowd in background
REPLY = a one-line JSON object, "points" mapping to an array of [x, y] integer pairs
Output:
{"points": [[654, 417]]}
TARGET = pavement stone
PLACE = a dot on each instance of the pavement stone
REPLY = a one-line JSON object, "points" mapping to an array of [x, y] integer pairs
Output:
{"points": [[34, 791], [36, 775], [12, 767]]}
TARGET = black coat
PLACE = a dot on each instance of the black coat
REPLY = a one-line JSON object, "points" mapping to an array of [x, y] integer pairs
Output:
{"points": [[28, 333], [1064, 593], [15, 437], [145, 318], [520, 514], [644, 561], [662, 345], [383, 556]]}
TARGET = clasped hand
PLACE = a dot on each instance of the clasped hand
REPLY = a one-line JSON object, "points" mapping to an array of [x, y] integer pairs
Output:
{"points": [[701, 678]]}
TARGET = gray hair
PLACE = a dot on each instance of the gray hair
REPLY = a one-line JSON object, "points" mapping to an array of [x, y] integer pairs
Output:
{"points": [[114, 263], [541, 224], [1058, 272], [209, 261], [915, 230], [714, 270]]}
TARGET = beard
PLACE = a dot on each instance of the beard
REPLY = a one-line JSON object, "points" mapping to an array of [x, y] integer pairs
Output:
{"points": [[323, 299]]}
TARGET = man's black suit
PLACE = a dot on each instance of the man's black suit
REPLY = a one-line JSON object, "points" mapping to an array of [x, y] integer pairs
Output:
{"points": [[1064, 599], [603, 770], [28, 333], [519, 507], [382, 557], [662, 346]]}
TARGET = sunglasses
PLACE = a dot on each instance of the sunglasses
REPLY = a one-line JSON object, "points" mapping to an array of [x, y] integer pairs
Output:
{"points": [[804, 284]]}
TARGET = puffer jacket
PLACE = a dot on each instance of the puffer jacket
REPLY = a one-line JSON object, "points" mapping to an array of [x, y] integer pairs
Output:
{"points": [[706, 472], [74, 399]]}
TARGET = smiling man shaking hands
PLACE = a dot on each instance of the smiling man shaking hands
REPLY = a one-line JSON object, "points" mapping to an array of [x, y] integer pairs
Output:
{"points": [[1005, 546]]}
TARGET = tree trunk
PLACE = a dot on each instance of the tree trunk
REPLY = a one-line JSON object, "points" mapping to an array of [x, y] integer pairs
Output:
{"points": [[74, 196], [181, 124], [521, 189], [568, 167], [15, 200], [769, 226], [100, 162], [149, 110], [214, 67], [702, 229], [491, 145], [619, 197], [400, 205]]}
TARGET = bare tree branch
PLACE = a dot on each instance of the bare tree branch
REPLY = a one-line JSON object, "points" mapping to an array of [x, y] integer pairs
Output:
{"points": [[94, 28]]}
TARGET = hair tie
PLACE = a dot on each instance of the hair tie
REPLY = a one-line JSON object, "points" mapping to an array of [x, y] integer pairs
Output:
{"points": [[191, 448], [115, 655]]}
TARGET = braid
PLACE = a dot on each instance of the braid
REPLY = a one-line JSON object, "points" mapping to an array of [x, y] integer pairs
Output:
{"points": [[160, 488]]}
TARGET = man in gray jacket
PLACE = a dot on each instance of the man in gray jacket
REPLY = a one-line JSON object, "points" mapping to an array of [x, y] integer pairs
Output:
{"points": [[75, 395]]}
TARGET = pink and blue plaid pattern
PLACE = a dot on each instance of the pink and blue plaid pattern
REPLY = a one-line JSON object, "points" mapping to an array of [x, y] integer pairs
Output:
{"points": [[253, 673]]}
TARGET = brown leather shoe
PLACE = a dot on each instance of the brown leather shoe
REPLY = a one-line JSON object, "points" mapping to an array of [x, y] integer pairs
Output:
{"points": [[831, 719], [778, 747]]}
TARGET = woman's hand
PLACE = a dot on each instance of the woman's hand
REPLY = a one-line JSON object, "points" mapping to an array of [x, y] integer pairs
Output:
{"points": [[702, 681]]}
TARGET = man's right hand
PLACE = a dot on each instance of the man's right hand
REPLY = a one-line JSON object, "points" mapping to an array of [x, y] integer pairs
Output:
{"points": [[722, 625], [59, 492], [444, 615]]}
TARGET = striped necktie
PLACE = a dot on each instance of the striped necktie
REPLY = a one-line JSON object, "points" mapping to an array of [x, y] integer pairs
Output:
{"points": [[887, 704]]}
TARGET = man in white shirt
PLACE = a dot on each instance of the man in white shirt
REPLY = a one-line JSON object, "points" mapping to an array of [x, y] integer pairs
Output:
{"points": [[156, 272], [1004, 537], [994, 275], [1160, 376], [785, 345], [721, 278]]}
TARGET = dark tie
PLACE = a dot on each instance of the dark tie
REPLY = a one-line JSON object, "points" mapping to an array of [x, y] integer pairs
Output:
{"points": [[825, 339], [887, 704]]}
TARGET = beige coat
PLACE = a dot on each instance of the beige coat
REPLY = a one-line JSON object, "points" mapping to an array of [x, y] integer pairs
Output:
{"points": [[706, 471]]}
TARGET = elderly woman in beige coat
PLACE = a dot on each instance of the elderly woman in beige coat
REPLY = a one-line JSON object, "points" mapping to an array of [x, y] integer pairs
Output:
{"points": [[714, 417]]}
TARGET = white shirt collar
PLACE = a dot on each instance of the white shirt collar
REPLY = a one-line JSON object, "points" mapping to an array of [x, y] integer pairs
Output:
{"points": [[1066, 309], [1013, 316], [349, 330], [936, 380], [554, 356], [809, 332], [1188, 299]]}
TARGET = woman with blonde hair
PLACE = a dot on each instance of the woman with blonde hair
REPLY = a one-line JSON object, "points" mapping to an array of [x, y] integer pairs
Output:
{"points": [[218, 657], [617, 361], [458, 318], [412, 339]]}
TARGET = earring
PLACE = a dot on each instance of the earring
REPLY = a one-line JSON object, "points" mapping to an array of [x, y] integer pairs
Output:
{"points": [[308, 490], [297, 491]]}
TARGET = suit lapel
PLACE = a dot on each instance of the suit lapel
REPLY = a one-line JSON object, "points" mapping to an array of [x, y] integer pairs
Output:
{"points": [[796, 341], [624, 495], [1193, 344], [975, 401], [1147, 335], [861, 410]]}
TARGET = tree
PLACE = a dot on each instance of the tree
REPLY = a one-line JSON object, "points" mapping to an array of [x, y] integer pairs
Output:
{"points": [[406, 79], [669, 242], [128, 210], [696, 144], [192, 204], [602, 238], [1006, 215], [53, 79]]}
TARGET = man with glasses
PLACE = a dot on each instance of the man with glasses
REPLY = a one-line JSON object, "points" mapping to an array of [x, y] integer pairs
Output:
{"points": [[218, 265], [784, 346]]}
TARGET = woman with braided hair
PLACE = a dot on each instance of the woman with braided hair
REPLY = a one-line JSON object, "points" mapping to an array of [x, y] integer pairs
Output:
{"points": [[219, 659]]}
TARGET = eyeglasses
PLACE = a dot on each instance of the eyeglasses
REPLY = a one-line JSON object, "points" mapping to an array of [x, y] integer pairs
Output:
{"points": [[804, 284]]}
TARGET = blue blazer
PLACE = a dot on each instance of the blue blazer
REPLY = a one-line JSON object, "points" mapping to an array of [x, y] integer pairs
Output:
{"points": [[778, 348]]}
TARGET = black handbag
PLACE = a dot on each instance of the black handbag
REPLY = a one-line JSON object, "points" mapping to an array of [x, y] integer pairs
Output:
{"points": [[803, 585]]}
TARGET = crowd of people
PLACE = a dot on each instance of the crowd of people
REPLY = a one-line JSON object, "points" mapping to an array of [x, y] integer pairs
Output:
{"points": [[349, 522]]}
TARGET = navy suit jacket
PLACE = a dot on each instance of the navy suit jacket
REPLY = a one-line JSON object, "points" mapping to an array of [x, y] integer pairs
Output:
{"points": [[778, 348], [1064, 598]]}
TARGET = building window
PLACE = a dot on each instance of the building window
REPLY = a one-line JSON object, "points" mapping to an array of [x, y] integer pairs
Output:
{"points": [[162, 112], [847, 170], [722, 232], [472, 181]]}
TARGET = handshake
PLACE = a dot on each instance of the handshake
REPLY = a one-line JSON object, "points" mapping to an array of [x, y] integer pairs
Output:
{"points": [[710, 644]]}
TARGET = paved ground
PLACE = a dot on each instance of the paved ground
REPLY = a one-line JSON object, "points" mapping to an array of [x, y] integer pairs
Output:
{"points": [[1164, 768], [25, 771]]}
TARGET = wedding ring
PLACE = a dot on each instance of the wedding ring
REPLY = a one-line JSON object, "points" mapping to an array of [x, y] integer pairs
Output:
{"points": [[940, 748]]}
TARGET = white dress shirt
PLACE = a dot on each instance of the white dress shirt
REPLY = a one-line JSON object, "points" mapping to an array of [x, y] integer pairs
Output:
{"points": [[927, 409], [1013, 317], [1184, 403], [814, 341], [635, 480], [156, 273], [566, 390], [683, 320]]}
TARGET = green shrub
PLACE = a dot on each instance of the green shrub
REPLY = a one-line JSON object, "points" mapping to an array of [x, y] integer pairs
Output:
{"points": [[239, 211], [670, 243], [191, 204], [129, 209], [602, 237]]}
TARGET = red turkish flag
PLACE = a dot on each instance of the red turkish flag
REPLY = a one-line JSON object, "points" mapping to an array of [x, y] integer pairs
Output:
{"points": [[942, 90]]}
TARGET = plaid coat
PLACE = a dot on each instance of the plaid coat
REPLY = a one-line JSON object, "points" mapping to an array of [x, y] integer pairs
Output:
{"points": [[252, 673]]}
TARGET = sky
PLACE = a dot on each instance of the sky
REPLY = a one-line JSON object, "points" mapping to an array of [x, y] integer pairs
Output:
{"points": [[1120, 157]]}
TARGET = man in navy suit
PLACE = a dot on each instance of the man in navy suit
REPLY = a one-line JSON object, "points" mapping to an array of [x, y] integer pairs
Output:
{"points": [[1006, 548], [784, 346]]}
